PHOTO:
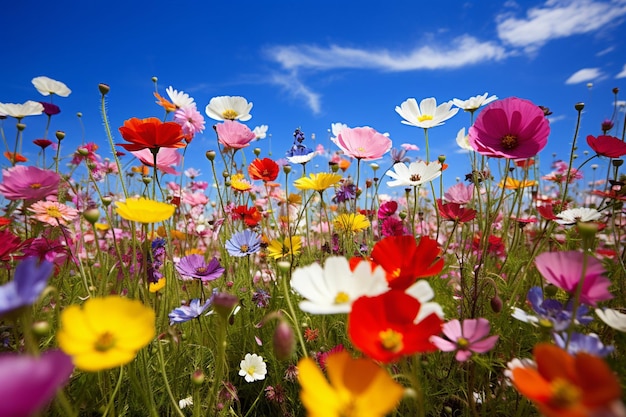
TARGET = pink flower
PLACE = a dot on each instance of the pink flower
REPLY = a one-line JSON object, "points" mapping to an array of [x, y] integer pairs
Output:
{"points": [[471, 338], [53, 212], [233, 134], [28, 183], [409, 147], [565, 269], [510, 128], [363, 143], [459, 193], [190, 119], [166, 158]]}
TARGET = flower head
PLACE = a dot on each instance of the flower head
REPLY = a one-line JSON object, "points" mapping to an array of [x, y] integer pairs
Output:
{"points": [[53, 212], [189, 312], [229, 108], [358, 387], [351, 223], [144, 210], [318, 182], [252, 368], [511, 128], [47, 86], [578, 214], [459, 193], [105, 332], [363, 143], [264, 169], [613, 318], [151, 133], [472, 337], [167, 158], [195, 266], [474, 103], [180, 99], [287, 246], [28, 183], [427, 114], [608, 146], [19, 111], [417, 173], [244, 243], [30, 279], [233, 134], [455, 212], [190, 120]]}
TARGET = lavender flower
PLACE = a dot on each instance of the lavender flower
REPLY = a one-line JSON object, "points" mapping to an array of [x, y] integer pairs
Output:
{"points": [[189, 312], [588, 343], [195, 266], [31, 278], [261, 298], [244, 243], [299, 153], [156, 260]]}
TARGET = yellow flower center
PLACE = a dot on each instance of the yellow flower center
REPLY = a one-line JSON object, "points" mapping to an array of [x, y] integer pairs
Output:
{"points": [[341, 298], [424, 117], [35, 186], [545, 323], [105, 342], [201, 270], [462, 343], [230, 114], [396, 272], [244, 248], [251, 370], [564, 394], [391, 340], [54, 212], [509, 141]]}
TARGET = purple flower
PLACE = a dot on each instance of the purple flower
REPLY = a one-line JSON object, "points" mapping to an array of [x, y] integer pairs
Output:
{"points": [[261, 298], [31, 278], [195, 266], [399, 156], [244, 243], [552, 312], [346, 192], [189, 312], [471, 338], [50, 109], [156, 260], [588, 343], [33, 381]]}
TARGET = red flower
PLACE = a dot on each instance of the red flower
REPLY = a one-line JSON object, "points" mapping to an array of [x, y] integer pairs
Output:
{"points": [[405, 261], [263, 169], [151, 133], [608, 146], [250, 216], [42, 143], [383, 326], [15, 157], [455, 212]]}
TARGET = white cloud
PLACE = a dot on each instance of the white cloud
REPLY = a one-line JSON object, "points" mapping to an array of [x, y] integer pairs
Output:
{"points": [[622, 74], [585, 74], [605, 51], [465, 50], [292, 84], [557, 19]]}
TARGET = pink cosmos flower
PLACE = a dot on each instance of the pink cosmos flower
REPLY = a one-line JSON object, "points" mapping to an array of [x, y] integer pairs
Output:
{"points": [[53, 212], [190, 119], [471, 338], [565, 269], [459, 193], [233, 134], [608, 146], [363, 143], [166, 158], [28, 183], [510, 128]]}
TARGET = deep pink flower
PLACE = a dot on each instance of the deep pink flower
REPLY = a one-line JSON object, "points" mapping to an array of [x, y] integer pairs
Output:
{"points": [[190, 119], [471, 338], [166, 158], [565, 269], [362, 143], [608, 146], [387, 209], [459, 193], [28, 183], [233, 134], [455, 212], [511, 128]]}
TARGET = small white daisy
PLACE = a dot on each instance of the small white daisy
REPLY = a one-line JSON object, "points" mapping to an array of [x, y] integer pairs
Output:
{"points": [[253, 368]]}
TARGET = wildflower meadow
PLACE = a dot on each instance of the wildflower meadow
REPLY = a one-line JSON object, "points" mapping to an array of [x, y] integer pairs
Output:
{"points": [[134, 284]]}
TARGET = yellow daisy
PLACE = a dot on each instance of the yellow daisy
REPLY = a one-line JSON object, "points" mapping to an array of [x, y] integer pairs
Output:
{"points": [[317, 182], [144, 210], [239, 183], [351, 222], [513, 184], [156, 286], [279, 248]]}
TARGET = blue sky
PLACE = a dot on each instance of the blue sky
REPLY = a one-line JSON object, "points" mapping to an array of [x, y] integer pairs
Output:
{"points": [[309, 64]]}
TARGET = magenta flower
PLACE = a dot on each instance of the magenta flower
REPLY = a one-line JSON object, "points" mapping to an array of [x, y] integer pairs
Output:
{"points": [[565, 270], [233, 134], [471, 338], [362, 143], [190, 119], [510, 128], [195, 266], [23, 182], [166, 159], [33, 381]]}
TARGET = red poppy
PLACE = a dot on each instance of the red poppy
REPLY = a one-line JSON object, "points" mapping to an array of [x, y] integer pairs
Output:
{"points": [[455, 212], [547, 211], [263, 169], [42, 143], [10, 245], [405, 261], [15, 157], [383, 327], [151, 133], [250, 216], [608, 146], [525, 163]]}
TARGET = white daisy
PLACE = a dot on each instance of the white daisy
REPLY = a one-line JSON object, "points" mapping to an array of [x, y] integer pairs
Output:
{"points": [[579, 214], [229, 108], [47, 86], [179, 98], [253, 368], [185, 402], [427, 114], [463, 140], [473, 103], [613, 318], [19, 111], [260, 131], [417, 173]]}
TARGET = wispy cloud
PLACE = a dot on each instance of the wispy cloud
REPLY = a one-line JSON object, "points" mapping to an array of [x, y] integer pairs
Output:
{"points": [[584, 75], [557, 19], [294, 87], [622, 74]]}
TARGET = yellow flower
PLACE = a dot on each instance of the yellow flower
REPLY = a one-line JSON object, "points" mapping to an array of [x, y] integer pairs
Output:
{"points": [[143, 210], [295, 199], [239, 183], [317, 182], [102, 226], [156, 286], [106, 332], [358, 387], [351, 222], [513, 184], [279, 248]]}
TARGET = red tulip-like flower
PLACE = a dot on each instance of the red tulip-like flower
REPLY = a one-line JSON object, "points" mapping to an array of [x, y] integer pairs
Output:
{"points": [[151, 133], [263, 169], [455, 212], [608, 146]]}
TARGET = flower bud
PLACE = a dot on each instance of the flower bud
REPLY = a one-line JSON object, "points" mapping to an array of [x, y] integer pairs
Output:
{"points": [[257, 151], [197, 378], [104, 89], [41, 328], [20, 126], [107, 201], [579, 106], [284, 341], [92, 215], [79, 115], [287, 169], [496, 304], [224, 303], [374, 166], [146, 180], [155, 79], [60, 135], [210, 155]]}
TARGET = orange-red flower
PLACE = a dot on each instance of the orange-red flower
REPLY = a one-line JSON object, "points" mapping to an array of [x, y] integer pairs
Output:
{"points": [[15, 157], [151, 133], [455, 212], [405, 261], [263, 169], [563, 385], [250, 216], [165, 103]]}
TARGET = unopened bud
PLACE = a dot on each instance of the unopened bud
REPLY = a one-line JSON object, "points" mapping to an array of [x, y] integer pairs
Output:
{"points": [[579, 106], [441, 159], [210, 155], [20, 126], [257, 151], [41, 328], [79, 115], [197, 378], [92, 215], [60, 135], [104, 89], [287, 169], [146, 180], [496, 304], [284, 341], [107, 201], [155, 79]]}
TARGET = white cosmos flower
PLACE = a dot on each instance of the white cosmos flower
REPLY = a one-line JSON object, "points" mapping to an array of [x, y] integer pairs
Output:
{"points": [[613, 318], [19, 111], [185, 402], [333, 289], [253, 368], [229, 108], [336, 128], [179, 99], [260, 131], [579, 214], [417, 173], [423, 292], [474, 103], [47, 86], [463, 140], [427, 114]]}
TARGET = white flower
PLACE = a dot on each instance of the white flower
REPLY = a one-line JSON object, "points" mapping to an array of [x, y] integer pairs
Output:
{"points": [[423, 292], [179, 98], [333, 289], [579, 214], [253, 368], [517, 363], [521, 315], [47, 86], [427, 114], [19, 111], [417, 173], [463, 140], [260, 131], [336, 128], [473, 103], [185, 402], [613, 318], [229, 108]]}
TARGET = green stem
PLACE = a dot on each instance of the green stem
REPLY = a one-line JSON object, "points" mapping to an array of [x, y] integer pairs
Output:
{"points": [[117, 388]]}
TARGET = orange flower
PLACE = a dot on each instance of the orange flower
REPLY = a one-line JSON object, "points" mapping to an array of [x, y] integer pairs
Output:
{"points": [[141, 169], [344, 164], [263, 169], [166, 104], [568, 386], [151, 133], [15, 157]]}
